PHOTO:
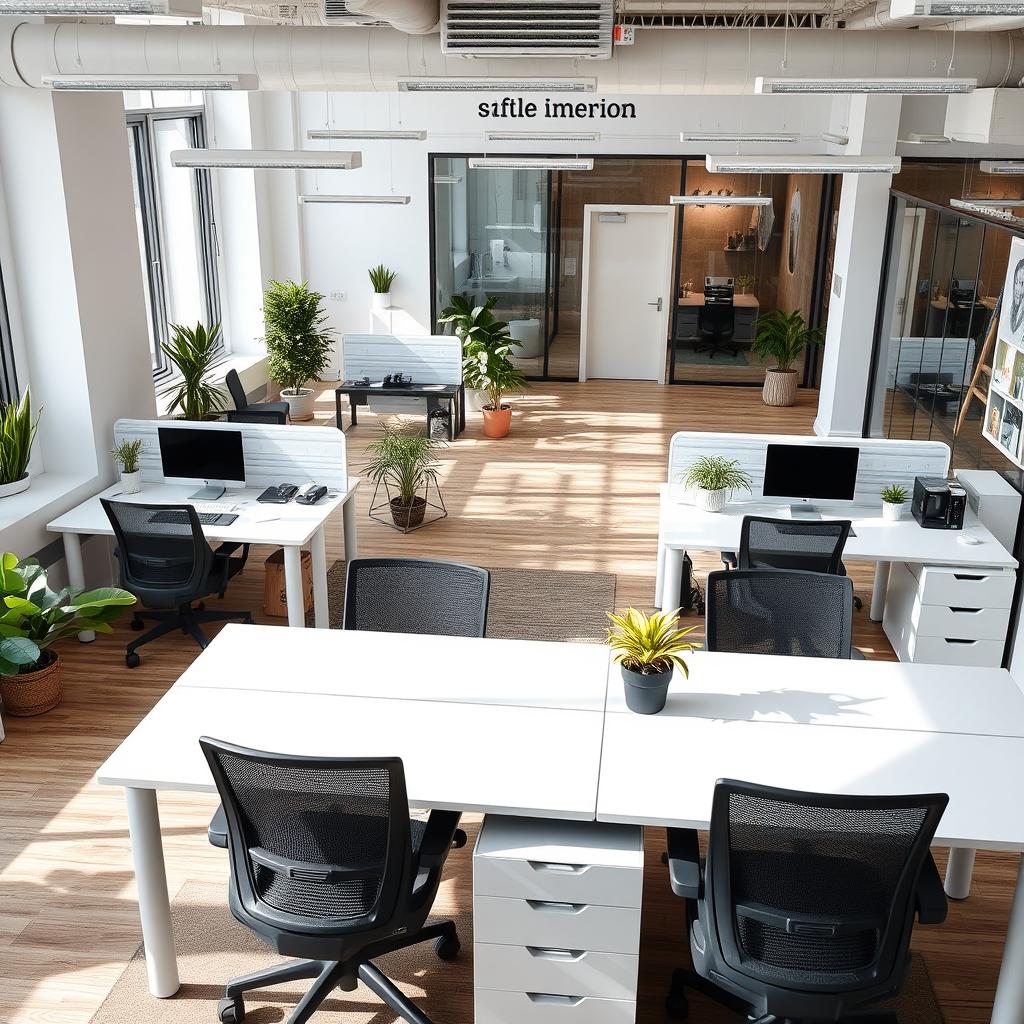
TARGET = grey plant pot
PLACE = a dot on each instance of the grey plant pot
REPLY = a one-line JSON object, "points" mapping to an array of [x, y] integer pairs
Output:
{"points": [[646, 694]]}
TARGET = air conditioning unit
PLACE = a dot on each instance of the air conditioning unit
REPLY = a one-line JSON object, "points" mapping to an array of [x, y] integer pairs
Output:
{"points": [[993, 116], [336, 12], [527, 28]]}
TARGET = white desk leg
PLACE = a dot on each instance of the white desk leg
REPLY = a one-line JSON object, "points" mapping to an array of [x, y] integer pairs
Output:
{"points": [[671, 579], [318, 549], [348, 525], [1008, 1007], [659, 573], [958, 873], [878, 592], [293, 586], [76, 574], [151, 879]]}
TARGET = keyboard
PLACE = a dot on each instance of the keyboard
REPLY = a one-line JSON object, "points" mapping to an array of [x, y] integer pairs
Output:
{"points": [[172, 517]]}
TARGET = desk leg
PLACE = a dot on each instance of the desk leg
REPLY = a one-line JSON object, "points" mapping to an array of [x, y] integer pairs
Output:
{"points": [[462, 408], [958, 873], [348, 526], [151, 880], [1008, 1007], [352, 404], [878, 591], [293, 586], [671, 578], [337, 411], [318, 549], [76, 574]]}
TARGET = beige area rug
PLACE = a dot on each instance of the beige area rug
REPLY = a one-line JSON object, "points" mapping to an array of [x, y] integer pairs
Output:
{"points": [[213, 948], [525, 604]]}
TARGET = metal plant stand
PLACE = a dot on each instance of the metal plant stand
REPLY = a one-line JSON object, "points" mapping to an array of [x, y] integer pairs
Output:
{"points": [[432, 510]]}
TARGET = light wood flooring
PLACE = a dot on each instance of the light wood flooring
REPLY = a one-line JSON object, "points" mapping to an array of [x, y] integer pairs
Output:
{"points": [[574, 487]]}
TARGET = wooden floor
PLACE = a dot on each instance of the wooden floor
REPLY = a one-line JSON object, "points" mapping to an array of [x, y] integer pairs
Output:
{"points": [[574, 487]]}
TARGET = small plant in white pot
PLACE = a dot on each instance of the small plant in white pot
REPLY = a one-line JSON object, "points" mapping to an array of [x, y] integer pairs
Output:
{"points": [[127, 456], [648, 648], [712, 480], [382, 279], [894, 501], [17, 434]]}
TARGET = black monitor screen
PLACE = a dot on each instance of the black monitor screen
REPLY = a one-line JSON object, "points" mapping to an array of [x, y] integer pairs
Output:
{"points": [[813, 471], [195, 453]]}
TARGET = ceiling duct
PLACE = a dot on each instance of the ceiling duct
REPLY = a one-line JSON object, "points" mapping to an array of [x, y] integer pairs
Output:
{"points": [[416, 17], [339, 12]]}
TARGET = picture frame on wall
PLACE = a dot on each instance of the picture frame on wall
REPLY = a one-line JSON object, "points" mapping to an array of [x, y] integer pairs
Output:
{"points": [[1011, 315], [1009, 433]]}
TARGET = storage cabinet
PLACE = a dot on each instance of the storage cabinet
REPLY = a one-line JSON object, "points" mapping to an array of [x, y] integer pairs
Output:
{"points": [[556, 911], [744, 331]]}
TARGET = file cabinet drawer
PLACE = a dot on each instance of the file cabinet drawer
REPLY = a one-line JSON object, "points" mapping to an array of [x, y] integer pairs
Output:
{"points": [[963, 588], [936, 620], [493, 1007], [558, 925], [563, 972], [936, 650], [560, 882]]}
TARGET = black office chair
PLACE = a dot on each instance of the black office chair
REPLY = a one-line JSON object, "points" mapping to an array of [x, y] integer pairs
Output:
{"points": [[416, 595], [804, 907], [244, 412], [780, 611], [327, 866], [170, 565], [716, 324], [811, 545]]}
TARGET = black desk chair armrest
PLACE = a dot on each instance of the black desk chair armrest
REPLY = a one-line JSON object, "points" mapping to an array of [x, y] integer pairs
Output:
{"points": [[931, 897], [429, 860], [730, 559], [217, 833], [684, 862]]}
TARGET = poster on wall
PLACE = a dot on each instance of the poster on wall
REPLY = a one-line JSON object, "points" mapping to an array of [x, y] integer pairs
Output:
{"points": [[1011, 317], [1003, 425]]}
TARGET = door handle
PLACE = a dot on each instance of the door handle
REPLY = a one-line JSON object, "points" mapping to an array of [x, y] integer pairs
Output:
{"points": [[658, 304]]}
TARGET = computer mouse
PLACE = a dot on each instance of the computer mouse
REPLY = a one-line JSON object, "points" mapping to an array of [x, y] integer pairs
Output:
{"points": [[968, 539]]}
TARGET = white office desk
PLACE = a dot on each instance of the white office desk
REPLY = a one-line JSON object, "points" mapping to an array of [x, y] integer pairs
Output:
{"points": [[290, 526]]}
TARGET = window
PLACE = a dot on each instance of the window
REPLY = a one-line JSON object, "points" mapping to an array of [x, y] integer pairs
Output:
{"points": [[177, 233], [8, 380]]}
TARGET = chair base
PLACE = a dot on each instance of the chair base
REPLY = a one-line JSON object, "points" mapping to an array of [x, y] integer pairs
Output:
{"points": [[714, 349], [344, 975], [187, 618]]}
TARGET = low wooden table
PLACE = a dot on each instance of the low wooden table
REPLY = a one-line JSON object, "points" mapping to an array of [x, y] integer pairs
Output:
{"points": [[435, 394]]}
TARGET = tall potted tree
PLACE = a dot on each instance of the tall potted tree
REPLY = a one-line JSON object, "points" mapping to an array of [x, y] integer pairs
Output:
{"points": [[476, 327], [298, 343], [782, 338], [193, 350]]}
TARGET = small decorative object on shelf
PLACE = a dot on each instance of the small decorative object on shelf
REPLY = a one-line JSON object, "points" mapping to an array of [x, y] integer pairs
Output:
{"points": [[404, 463], [382, 279], [17, 434], [894, 502], [712, 479], [782, 337], [743, 282], [648, 648], [127, 455]]}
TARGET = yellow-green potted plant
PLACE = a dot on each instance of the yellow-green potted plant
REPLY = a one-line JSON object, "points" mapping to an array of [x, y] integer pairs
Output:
{"points": [[894, 501], [648, 648], [17, 434]]}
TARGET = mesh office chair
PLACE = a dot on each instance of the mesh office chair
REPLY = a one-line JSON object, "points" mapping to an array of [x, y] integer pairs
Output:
{"points": [[263, 412], [716, 325], [804, 907], [416, 595], [170, 565], [780, 611], [327, 866]]}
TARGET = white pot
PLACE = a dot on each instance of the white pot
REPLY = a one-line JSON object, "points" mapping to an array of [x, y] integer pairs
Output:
{"points": [[893, 513], [779, 387], [710, 501], [16, 486], [381, 300], [300, 403], [131, 483], [527, 333]]}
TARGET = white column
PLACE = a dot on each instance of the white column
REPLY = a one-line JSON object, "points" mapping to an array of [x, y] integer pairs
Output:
{"points": [[76, 574], [1008, 1007], [293, 586], [318, 551]]}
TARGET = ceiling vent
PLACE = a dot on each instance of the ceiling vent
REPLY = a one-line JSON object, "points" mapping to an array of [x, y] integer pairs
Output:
{"points": [[336, 12], [527, 28]]}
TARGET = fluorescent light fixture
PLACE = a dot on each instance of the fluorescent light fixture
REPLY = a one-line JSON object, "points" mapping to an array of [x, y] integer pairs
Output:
{"points": [[267, 158], [447, 179], [1002, 166], [542, 136], [122, 83], [737, 137], [955, 8], [320, 197], [720, 200], [84, 7], [802, 164], [529, 163], [901, 86], [497, 85], [835, 139], [362, 133], [987, 211]]}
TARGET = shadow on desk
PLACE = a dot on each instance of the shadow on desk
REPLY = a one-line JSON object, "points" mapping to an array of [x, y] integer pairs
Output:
{"points": [[797, 707]]}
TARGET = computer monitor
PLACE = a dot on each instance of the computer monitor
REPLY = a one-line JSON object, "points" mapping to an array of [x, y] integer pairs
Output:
{"points": [[201, 453], [805, 473]]}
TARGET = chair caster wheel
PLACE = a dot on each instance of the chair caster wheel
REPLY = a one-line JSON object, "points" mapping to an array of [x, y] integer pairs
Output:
{"points": [[459, 839], [447, 947], [137, 625], [231, 1011], [677, 1006], [132, 660]]}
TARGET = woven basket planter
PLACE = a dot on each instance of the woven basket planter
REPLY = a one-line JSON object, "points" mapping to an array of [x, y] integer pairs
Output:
{"points": [[32, 693], [779, 387]]}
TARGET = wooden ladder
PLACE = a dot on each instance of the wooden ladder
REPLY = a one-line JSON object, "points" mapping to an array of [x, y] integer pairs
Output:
{"points": [[984, 367]]}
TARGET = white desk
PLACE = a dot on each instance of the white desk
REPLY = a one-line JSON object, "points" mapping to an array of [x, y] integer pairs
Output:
{"points": [[290, 526]]}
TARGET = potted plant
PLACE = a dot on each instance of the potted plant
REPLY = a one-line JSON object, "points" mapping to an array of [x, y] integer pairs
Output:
{"points": [[712, 479], [405, 462], [127, 455], [894, 501], [298, 343], [193, 350], [781, 338], [743, 282], [17, 434], [490, 370], [36, 619], [477, 328], [648, 648], [382, 279]]}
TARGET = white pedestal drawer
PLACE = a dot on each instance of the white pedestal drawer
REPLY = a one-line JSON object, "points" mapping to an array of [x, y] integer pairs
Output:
{"points": [[544, 1008]]}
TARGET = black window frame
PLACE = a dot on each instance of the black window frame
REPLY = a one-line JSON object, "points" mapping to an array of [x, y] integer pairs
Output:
{"points": [[9, 391]]}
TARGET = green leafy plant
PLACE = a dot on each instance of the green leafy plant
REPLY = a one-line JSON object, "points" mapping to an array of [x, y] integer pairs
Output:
{"points": [[782, 337], [382, 278], [714, 473], [127, 454], [403, 459], [894, 494], [35, 617], [474, 324], [298, 343], [17, 434], [193, 350], [649, 644]]}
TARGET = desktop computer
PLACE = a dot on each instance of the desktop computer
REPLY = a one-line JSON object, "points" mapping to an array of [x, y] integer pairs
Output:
{"points": [[805, 473], [718, 291], [214, 457]]}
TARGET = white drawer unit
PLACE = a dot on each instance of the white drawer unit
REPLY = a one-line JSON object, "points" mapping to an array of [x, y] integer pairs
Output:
{"points": [[556, 918]]}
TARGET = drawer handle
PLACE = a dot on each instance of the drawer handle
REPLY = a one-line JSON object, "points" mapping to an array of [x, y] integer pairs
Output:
{"points": [[565, 869], [550, 999], [562, 955], [953, 640], [547, 907], [967, 576], [966, 611]]}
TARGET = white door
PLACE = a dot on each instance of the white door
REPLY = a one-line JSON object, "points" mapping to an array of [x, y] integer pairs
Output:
{"points": [[627, 291], [907, 273]]}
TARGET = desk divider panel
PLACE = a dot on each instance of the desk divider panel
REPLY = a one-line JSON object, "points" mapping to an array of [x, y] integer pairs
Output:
{"points": [[431, 359], [273, 454]]}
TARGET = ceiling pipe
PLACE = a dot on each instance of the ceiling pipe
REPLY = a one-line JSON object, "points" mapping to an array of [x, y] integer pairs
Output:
{"points": [[877, 16], [695, 62], [416, 17]]}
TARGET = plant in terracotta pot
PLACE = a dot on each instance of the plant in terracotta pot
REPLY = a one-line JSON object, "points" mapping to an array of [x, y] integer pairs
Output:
{"points": [[298, 343], [194, 350], [491, 370], [648, 648], [405, 462], [382, 279], [126, 454], [894, 501], [36, 618], [712, 479], [781, 339], [17, 434]]}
